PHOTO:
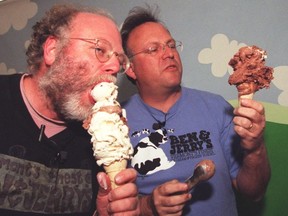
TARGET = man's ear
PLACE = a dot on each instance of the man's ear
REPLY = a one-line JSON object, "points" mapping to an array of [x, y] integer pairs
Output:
{"points": [[49, 50], [130, 72]]}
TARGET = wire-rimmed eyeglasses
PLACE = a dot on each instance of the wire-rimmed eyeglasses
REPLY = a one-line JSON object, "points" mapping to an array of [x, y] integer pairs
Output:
{"points": [[155, 48], [104, 52]]}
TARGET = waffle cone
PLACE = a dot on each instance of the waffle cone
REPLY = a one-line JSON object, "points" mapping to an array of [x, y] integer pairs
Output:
{"points": [[113, 169], [245, 96], [248, 96], [246, 90]]}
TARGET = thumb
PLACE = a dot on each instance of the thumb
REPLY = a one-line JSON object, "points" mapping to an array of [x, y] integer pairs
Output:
{"points": [[104, 190], [104, 183]]}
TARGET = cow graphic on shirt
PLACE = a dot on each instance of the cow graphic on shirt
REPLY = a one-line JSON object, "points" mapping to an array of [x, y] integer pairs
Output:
{"points": [[148, 157]]}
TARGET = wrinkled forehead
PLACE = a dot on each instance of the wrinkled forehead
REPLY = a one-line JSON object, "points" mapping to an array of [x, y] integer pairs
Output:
{"points": [[148, 32], [89, 25]]}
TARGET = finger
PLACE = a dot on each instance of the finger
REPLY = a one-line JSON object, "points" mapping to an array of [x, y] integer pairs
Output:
{"points": [[102, 196], [169, 207], [104, 183], [125, 176], [254, 105], [173, 211], [127, 204], [172, 187], [123, 191], [243, 122], [176, 200], [249, 118]]}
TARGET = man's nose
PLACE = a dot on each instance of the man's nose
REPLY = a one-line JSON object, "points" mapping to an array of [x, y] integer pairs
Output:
{"points": [[167, 51], [112, 66]]}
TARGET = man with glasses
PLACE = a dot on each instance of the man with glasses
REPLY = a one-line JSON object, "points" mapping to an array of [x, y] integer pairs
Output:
{"points": [[47, 164], [173, 128]]}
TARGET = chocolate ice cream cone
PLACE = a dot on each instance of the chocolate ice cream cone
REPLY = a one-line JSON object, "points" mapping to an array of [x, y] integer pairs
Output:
{"points": [[248, 96], [249, 71], [246, 90], [113, 169]]}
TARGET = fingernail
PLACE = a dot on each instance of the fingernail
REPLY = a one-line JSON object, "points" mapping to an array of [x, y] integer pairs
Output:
{"points": [[102, 181]]}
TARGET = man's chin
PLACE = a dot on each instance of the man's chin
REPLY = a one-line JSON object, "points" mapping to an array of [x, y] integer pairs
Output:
{"points": [[75, 115]]}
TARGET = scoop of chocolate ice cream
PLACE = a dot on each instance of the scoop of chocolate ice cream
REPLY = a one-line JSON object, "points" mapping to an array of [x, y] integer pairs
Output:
{"points": [[249, 67]]}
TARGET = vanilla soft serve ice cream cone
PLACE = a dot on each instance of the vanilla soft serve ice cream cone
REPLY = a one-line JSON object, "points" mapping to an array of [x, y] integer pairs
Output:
{"points": [[109, 131]]}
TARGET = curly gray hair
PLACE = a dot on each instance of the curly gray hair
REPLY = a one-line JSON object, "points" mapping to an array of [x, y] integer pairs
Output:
{"points": [[56, 22]]}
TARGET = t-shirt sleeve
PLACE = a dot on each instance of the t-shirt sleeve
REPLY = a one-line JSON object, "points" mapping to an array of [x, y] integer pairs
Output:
{"points": [[231, 143]]}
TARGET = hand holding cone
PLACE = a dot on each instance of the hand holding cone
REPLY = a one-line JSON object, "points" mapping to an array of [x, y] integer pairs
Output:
{"points": [[113, 169]]}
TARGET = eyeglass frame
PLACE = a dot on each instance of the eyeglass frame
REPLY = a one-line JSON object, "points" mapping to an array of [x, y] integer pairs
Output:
{"points": [[109, 54], [150, 50]]}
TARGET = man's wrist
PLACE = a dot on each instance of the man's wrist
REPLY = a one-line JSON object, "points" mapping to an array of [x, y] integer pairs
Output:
{"points": [[146, 205], [152, 205]]}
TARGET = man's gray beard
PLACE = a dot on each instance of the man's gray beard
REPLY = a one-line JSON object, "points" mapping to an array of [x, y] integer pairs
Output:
{"points": [[73, 110], [64, 91], [65, 97], [67, 106]]}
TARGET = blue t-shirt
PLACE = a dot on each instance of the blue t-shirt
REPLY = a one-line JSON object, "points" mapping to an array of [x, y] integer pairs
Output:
{"points": [[168, 146]]}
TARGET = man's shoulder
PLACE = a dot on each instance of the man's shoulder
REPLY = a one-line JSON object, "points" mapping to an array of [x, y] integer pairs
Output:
{"points": [[10, 86], [11, 78], [130, 101], [206, 98], [201, 93]]}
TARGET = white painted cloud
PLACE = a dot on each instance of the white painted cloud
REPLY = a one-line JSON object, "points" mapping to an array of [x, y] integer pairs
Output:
{"points": [[220, 53], [26, 44], [4, 70], [16, 14], [281, 82]]}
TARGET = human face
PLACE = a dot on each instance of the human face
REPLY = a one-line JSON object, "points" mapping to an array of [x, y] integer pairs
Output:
{"points": [[153, 72], [76, 69]]}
